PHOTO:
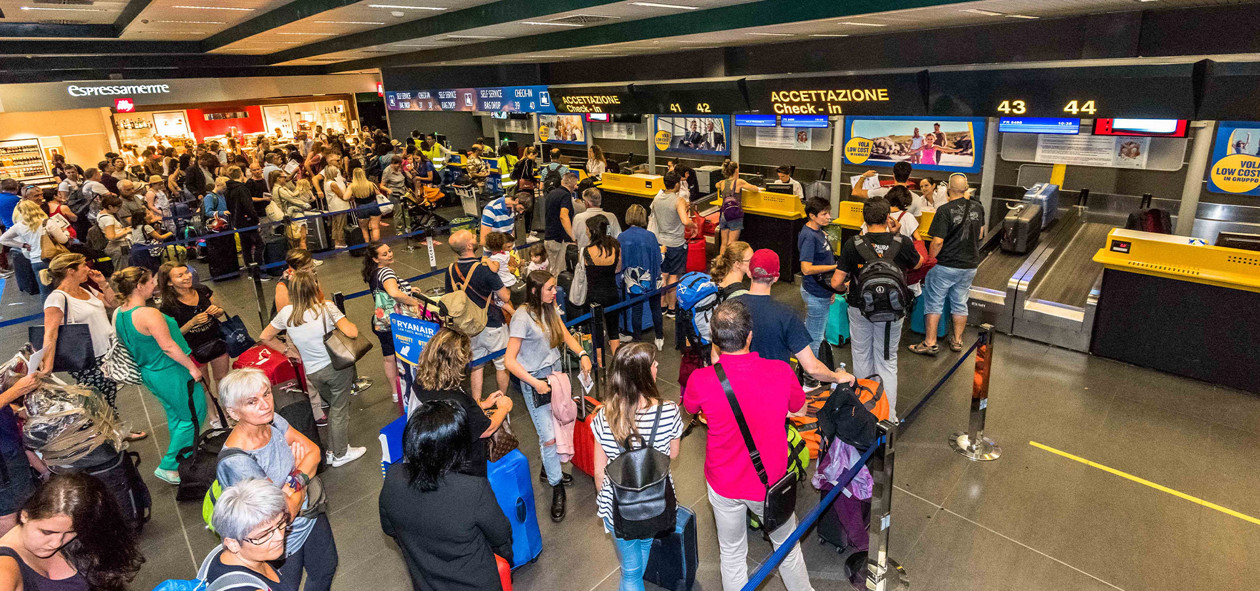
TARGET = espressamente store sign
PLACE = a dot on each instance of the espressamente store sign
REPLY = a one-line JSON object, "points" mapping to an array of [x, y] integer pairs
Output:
{"points": [[57, 96]]}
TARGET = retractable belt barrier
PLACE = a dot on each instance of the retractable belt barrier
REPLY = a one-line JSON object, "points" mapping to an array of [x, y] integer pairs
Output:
{"points": [[971, 443]]}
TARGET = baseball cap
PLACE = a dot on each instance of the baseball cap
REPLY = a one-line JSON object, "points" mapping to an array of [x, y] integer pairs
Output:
{"points": [[764, 264]]}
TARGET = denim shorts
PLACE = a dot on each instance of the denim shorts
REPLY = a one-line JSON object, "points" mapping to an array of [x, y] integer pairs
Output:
{"points": [[675, 262], [941, 281], [733, 225]]}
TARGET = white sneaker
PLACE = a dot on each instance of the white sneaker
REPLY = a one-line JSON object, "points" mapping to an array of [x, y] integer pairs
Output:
{"points": [[660, 344], [318, 262], [352, 454]]}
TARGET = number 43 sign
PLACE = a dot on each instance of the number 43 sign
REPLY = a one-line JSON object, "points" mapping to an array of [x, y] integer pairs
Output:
{"points": [[1020, 107]]}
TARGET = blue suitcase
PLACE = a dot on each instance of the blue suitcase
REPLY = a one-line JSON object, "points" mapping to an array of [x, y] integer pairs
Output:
{"points": [[1047, 196], [918, 322], [513, 488], [674, 557]]}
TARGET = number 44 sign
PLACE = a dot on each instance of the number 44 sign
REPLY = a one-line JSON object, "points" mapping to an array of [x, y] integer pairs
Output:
{"points": [[1020, 107]]}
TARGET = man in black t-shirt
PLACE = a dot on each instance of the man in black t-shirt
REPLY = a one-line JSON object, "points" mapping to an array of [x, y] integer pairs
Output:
{"points": [[957, 229], [483, 284], [874, 343], [559, 222]]}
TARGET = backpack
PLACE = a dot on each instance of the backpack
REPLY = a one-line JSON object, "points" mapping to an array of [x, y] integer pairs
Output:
{"points": [[458, 312], [80, 204], [552, 177], [216, 490], [96, 238], [881, 293], [638, 280], [698, 296], [373, 168], [228, 582], [643, 501]]}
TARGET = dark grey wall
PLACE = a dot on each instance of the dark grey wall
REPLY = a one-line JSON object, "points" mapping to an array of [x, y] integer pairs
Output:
{"points": [[462, 129]]}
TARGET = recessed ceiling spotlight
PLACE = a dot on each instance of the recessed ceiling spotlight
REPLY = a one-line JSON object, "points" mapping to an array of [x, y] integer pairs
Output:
{"points": [[312, 34], [347, 23], [549, 24], [190, 7], [1023, 16], [659, 5], [403, 7]]}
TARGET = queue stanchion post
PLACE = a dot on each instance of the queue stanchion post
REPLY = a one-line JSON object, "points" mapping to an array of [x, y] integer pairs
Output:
{"points": [[361, 383], [597, 342], [883, 573], [972, 444], [255, 276]]}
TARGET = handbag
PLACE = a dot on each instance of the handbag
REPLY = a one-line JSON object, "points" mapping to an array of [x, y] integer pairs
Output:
{"points": [[578, 288], [235, 335], [502, 441], [74, 343], [49, 247], [344, 351], [316, 499], [780, 501], [117, 364], [384, 204], [274, 212]]}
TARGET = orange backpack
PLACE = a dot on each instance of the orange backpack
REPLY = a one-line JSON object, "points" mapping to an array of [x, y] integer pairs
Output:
{"points": [[871, 392]]}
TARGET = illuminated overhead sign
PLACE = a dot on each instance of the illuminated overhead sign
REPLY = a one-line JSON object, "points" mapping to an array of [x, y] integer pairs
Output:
{"points": [[692, 98], [878, 94], [118, 89], [594, 99]]}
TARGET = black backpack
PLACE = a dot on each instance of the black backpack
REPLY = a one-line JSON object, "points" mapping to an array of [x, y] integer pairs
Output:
{"points": [[551, 179], [643, 501], [79, 203], [844, 417], [373, 168], [881, 293]]}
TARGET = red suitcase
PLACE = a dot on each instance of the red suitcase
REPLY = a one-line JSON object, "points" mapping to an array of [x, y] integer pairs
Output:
{"points": [[277, 367], [584, 438], [505, 572]]}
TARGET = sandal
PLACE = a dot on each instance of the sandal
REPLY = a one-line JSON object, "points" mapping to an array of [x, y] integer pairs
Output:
{"points": [[135, 436], [955, 346], [925, 349]]}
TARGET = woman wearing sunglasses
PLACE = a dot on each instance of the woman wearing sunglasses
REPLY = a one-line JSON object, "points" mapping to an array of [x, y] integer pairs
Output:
{"points": [[253, 519]]}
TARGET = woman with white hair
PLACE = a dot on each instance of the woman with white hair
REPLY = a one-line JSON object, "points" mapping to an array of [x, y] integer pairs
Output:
{"points": [[262, 446], [253, 519]]}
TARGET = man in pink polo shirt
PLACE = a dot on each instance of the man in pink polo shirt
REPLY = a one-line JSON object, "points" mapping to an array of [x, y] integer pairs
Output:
{"points": [[768, 391]]}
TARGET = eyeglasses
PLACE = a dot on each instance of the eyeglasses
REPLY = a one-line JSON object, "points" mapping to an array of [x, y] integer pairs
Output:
{"points": [[283, 525]]}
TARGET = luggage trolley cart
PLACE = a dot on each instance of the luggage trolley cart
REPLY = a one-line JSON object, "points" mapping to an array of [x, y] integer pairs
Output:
{"points": [[467, 195]]}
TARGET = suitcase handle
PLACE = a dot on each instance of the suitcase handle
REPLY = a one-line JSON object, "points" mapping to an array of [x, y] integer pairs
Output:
{"points": [[520, 510]]}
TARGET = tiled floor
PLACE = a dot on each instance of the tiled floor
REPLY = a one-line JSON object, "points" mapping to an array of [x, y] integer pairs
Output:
{"points": [[1029, 521]]}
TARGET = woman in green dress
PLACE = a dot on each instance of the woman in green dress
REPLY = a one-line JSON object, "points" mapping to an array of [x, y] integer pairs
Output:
{"points": [[161, 353]]}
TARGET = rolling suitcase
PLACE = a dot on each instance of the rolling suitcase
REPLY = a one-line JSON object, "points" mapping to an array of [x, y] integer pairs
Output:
{"points": [[513, 489], [918, 323], [354, 237], [275, 246], [1021, 228], [317, 232], [674, 556], [584, 438], [1047, 196], [1149, 219], [221, 256]]}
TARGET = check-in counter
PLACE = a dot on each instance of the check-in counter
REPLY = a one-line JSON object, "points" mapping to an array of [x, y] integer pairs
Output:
{"points": [[773, 220], [620, 191], [1179, 305], [849, 218]]}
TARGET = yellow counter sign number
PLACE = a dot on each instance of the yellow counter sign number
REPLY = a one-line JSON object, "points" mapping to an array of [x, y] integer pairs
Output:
{"points": [[700, 108], [1019, 107], [1086, 107], [1013, 107]]}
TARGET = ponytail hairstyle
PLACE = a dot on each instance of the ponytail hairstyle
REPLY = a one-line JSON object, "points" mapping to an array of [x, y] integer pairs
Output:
{"points": [[298, 259], [629, 384], [370, 266], [733, 255], [104, 547], [60, 267], [730, 168], [127, 280], [543, 314]]}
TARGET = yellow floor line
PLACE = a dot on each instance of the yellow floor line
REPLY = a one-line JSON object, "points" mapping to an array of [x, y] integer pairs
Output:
{"points": [[1146, 482]]}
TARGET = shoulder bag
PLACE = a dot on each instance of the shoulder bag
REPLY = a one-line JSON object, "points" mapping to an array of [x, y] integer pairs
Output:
{"points": [[74, 342], [578, 288], [344, 351], [780, 496], [502, 441]]}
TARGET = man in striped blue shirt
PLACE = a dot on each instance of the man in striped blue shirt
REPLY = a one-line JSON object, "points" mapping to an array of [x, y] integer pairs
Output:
{"points": [[500, 215]]}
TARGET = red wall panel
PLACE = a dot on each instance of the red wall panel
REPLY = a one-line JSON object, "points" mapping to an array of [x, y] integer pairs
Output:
{"points": [[201, 128]]}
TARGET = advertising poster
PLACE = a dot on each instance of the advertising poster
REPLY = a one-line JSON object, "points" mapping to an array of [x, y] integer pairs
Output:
{"points": [[561, 129], [952, 144], [410, 336], [695, 135], [784, 138], [1093, 150], [1236, 159]]}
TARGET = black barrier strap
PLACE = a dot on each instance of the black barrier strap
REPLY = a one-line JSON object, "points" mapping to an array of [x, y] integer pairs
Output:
{"points": [[775, 559], [922, 403]]}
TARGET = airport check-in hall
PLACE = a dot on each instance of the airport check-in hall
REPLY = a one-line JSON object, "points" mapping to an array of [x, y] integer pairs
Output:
{"points": [[620, 295]]}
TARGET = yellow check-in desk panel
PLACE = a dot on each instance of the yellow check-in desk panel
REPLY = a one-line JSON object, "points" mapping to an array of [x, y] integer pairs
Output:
{"points": [[776, 205], [1180, 257], [850, 218], [641, 185]]}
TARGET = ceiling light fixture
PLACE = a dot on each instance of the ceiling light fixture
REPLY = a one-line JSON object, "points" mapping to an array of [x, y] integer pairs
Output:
{"points": [[406, 7], [547, 24], [828, 35], [659, 5], [312, 34], [58, 8], [457, 37], [851, 23], [984, 12], [190, 7], [772, 34], [191, 22], [1023, 16], [348, 23]]}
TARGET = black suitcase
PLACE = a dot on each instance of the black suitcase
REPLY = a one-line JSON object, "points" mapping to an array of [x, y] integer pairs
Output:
{"points": [[1021, 228], [354, 237], [275, 247], [674, 556], [121, 475], [291, 402], [221, 256], [198, 462]]}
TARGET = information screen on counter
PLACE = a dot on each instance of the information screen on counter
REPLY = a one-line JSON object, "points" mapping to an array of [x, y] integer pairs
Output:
{"points": [[814, 121], [1153, 92], [756, 121], [706, 98], [1049, 125], [594, 99], [1141, 127], [879, 94]]}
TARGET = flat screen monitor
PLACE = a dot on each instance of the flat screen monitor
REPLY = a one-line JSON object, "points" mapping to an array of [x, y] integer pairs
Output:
{"points": [[756, 120], [1238, 240], [785, 188], [598, 117], [1044, 125], [498, 115], [1142, 127], [441, 139], [816, 121]]}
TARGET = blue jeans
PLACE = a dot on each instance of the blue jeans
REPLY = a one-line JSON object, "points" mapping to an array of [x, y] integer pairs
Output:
{"points": [[817, 309], [541, 416], [633, 555], [943, 280]]}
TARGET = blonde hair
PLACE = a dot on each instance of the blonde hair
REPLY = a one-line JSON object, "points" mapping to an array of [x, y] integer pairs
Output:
{"points": [[443, 360], [127, 280], [730, 257], [30, 213], [360, 187], [220, 184], [303, 186], [61, 265], [304, 294]]}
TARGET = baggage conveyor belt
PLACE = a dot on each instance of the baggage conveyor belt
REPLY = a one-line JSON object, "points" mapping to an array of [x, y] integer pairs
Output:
{"points": [[993, 294], [1057, 292], [1071, 277], [997, 269]]}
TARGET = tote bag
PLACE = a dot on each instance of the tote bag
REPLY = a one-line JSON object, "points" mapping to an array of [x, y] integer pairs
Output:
{"points": [[74, 343]]}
